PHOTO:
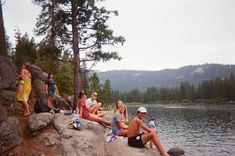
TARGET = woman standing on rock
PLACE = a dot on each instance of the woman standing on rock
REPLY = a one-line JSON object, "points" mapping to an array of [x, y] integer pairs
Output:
{"points": [[24, 88], [118, 121], [85, 114], [51, 89]]}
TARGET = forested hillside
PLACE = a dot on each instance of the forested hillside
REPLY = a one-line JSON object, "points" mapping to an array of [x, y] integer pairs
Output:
{"points": [[126, 80]]}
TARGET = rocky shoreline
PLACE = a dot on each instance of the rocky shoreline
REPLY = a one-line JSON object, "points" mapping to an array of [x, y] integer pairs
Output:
{"points": [[48, 134]]}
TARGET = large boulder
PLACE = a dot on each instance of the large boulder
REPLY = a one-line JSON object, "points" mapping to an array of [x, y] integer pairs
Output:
{"points": [[39, 121], [39, 87], [8, 95], [120, 147], [8, 73], [3, 115], [89, 141], [9, 134], [62, 103], [37, 72]]}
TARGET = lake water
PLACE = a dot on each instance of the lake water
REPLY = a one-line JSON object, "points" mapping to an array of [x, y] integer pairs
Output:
{"points": [[201, 130]]}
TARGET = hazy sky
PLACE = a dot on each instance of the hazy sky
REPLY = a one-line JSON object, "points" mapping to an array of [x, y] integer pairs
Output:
{"points": [[159, 33]]}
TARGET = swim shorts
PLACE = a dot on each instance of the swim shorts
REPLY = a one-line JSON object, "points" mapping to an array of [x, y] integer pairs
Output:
{"points": [[135, 141]]}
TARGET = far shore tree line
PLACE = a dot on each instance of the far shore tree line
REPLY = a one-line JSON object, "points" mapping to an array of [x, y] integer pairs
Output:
{"points": [[218, 90]]}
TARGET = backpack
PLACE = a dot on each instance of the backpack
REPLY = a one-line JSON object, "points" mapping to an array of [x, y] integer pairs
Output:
{"points": [[40, 106], [77, 124]]}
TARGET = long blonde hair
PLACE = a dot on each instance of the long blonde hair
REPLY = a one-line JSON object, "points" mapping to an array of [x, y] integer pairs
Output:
{"points": [[125, 113]]}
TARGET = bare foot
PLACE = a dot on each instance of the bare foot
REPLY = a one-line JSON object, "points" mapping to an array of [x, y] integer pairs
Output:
{"points": [[26, 114]]}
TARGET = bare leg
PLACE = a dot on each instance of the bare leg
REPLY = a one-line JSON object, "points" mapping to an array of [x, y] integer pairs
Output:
{"points": [[152, 136], [123, 132], [49, 101], [96, 118], [95, 108], [101, 113], [26, 108]]}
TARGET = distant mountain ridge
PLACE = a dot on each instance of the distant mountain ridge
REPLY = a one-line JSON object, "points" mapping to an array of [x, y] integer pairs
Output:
{"points": [[124, 80]]}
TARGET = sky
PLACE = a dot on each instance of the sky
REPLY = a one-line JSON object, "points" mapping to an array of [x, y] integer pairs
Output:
{"points": [[159, 34]]}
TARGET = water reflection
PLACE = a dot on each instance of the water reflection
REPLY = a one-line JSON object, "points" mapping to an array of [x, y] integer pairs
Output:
{"points": [[200, 131]]}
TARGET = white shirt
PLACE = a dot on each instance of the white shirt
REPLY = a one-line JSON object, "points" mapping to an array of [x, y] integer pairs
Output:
{"points": [[90, 102]]}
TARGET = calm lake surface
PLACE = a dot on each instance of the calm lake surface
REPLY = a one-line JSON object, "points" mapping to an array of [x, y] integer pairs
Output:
{"points": [[201, 130]]}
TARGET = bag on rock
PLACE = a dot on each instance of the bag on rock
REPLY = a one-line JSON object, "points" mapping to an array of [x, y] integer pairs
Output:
{"points": [[41, 106]]}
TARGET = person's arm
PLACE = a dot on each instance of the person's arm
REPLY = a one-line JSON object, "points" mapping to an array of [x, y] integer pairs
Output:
{"points": [[22, 73], [122, 125], [57, 91], [118, 119], [25, 72], [46, 88], [80, 109], [142, 125]]}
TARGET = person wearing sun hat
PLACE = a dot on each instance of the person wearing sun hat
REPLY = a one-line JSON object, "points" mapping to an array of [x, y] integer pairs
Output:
{"points": [[137, 139]]}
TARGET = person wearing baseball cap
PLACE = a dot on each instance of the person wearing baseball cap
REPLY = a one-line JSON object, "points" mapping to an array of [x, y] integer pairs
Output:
{"points": [[137, 139], [142, 110]]}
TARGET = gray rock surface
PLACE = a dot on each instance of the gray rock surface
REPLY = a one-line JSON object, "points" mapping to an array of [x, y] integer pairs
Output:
{"points": [[39, 121], [8, 95], [9, 134], [8, 73], [176, 151], [37, 72], [89, 141], [60, 102], [120, 147], [3, 115]]}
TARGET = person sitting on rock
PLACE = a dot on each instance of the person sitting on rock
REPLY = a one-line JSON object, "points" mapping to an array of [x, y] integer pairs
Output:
{"points": [[118, 126], [117, 105], [137, 139], [93, 106], [85, 114]]}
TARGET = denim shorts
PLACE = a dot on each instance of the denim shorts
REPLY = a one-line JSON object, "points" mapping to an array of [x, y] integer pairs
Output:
{"points": [[115, 131]]}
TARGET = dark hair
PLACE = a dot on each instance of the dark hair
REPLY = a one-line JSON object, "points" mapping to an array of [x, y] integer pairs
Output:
{"points": [[49, 74], [81, 93], [26, 65]]}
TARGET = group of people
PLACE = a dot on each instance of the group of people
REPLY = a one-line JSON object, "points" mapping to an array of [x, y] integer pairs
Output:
{"points": [[89, 109], [24, 88]]}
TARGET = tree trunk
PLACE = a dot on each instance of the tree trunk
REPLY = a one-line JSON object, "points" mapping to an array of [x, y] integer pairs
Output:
{"points": [[3, 44], [77, 74]]}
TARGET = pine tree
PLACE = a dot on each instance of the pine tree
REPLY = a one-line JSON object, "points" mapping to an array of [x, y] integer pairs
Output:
{"points": [[83, 22], [25, 50], [106, 92]]}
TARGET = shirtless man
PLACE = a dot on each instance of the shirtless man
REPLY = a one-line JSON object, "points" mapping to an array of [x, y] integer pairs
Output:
{"points": [[92, 105], [137, 139]]}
